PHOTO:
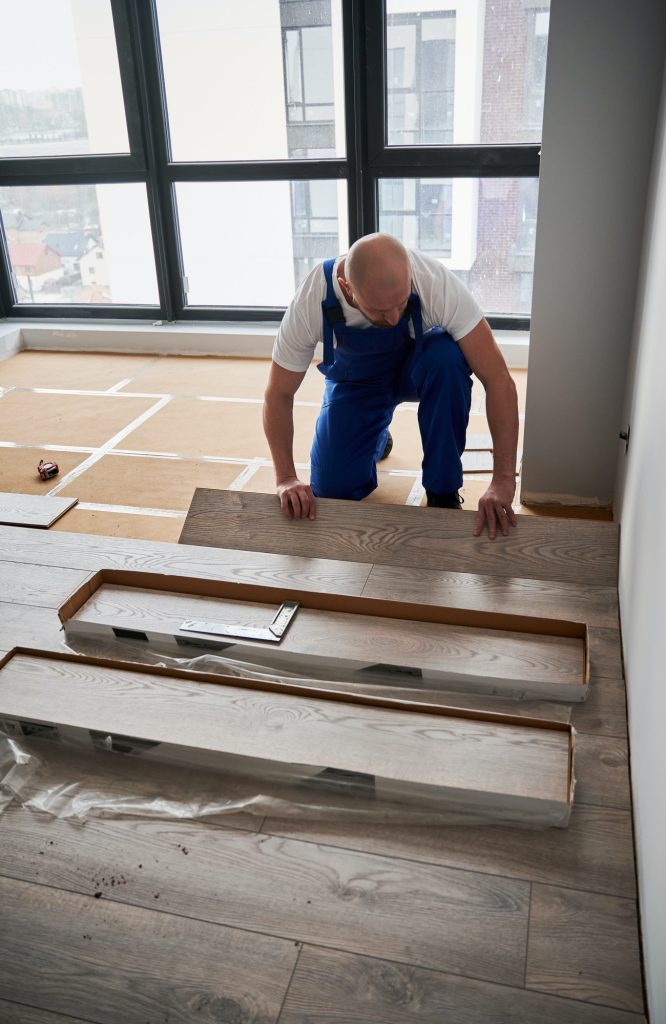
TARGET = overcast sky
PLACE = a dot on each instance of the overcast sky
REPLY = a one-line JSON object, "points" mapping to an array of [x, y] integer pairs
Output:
{"points": [[39, 47]]}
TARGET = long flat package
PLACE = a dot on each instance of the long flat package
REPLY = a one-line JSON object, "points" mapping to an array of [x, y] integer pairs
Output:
{"points": [[485, 766], [333, 636]]}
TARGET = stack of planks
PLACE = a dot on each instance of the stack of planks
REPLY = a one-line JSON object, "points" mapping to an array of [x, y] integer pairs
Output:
{"points": [[457, 765]]}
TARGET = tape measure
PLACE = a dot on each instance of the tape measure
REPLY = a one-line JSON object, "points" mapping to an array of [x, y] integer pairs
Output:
{"points": [[47, 470]]}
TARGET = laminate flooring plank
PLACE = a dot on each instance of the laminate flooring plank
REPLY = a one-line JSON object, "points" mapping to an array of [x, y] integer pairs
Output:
{"points": [[83, 551], [596, 605], [551, 663], [605, 653], [604, 710], [576, 551], [29, 626], [458, 921], [491, 764], [585, 946], [40, 585], [339, 988], [34, 510], [602, 771], [594, 852], [109, 962], [19, 1013]]}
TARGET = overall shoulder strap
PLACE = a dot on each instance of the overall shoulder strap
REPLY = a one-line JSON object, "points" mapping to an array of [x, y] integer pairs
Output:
{"points": [[332, 312], [413, 311]]}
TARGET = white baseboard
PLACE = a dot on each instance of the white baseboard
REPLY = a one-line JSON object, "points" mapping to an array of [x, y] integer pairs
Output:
{"points": [[535, 498]]}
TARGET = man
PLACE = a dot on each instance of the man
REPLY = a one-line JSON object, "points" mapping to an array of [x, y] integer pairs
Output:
{"points": [[396, 326]]}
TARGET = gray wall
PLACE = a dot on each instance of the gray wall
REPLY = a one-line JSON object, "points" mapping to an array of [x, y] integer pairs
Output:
{"points": [[640, 504], [605, 64]]}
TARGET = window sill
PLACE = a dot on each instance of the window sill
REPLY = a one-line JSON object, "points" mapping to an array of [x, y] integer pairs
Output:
{"points": [[228, 339]]}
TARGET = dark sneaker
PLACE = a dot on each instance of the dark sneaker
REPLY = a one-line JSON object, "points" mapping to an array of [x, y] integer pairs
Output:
{"points": [[387, 449], [454, 500]]}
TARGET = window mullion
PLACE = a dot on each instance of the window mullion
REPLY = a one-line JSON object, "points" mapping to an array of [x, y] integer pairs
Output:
{"points": [[161, 198], [6, 290], [128, 80], [353, 21]]}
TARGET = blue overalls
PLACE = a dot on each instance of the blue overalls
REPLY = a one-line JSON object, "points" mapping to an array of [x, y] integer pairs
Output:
{"points": [[368, 373]]}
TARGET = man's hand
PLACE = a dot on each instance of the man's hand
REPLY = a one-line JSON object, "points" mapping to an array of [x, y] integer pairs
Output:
{"points": [[296, 499], [495, 509]]}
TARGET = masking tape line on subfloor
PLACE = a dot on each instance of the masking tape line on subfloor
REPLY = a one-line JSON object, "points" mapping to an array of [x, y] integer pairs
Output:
{"points": [[131, 510], [246, 474], [111, 443]]}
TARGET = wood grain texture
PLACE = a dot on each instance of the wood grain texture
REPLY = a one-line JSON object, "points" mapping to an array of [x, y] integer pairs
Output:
{"points": [[90, 958], [338, 988], [81, 551], [596, 605], [482, 764], [22, 626], [34, 510], [605, 653], [584, 946], [337, 643], [458, 921], [594, 852], [539, 548], [388, 892], [602, 771], [38, 585], [604, 710], [19, 1013]]}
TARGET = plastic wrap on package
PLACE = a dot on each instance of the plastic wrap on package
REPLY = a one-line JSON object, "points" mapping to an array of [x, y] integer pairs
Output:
{"points": [[114, 777], [220, 665]]}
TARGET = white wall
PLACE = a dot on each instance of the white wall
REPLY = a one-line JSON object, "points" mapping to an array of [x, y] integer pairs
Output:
{"points": [[605, 63], [640, 502]]}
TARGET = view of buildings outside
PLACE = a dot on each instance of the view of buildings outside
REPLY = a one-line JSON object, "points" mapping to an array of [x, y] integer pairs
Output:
{"points": [[264, 81]]}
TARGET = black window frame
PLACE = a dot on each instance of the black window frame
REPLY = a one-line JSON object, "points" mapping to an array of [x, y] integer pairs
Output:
{"points": [[368, 159]]}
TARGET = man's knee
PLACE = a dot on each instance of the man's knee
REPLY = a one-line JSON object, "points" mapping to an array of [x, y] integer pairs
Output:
{"points": [[326, 482], [442, 354]]}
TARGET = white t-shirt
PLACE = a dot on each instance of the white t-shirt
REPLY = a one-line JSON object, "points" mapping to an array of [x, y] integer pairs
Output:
{"points": [[445, 302]]}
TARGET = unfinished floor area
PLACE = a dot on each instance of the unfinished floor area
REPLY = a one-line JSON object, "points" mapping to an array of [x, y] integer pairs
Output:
{"points": [[134, 435]]}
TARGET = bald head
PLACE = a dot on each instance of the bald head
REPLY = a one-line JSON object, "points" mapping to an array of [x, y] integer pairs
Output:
{"points": [[377, 278], [376, 260]]}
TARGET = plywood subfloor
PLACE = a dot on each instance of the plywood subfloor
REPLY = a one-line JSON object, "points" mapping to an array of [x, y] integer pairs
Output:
{"points": [[94, 371], [18, 468], [34, 418], [145, 482], [318, 921], [119, 524], [37, 411]]}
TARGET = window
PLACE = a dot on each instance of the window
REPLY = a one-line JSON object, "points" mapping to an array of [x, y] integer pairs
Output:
{"points": [[56, 233], [184, 159], [60, 89], [420, 61]]}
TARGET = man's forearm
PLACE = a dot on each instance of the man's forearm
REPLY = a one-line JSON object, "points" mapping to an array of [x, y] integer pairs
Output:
{"points": [[502, 413], [279, 429]]}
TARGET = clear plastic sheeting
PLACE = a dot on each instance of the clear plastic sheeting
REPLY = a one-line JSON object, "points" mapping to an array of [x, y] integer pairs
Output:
{"points": [[220, 665], [113, 777]]}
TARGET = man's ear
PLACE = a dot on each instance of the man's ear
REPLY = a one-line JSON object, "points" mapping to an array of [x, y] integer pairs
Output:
{"points": [[346, 290]]}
